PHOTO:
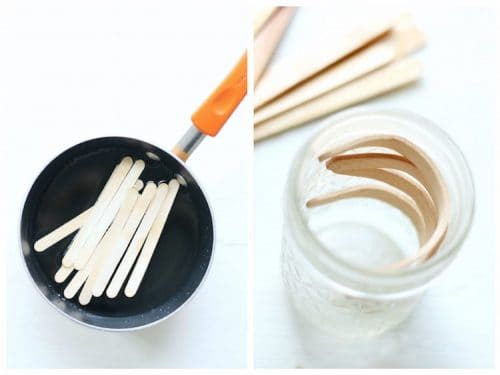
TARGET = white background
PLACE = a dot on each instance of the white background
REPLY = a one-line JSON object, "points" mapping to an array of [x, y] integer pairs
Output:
{"points": [[454, 325], [74, 71]]}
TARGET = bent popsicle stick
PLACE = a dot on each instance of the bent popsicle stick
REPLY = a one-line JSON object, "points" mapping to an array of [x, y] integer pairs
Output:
{"points": [[107, 193], [152, 240], [428, 175], [384, 168], [387, 194]]}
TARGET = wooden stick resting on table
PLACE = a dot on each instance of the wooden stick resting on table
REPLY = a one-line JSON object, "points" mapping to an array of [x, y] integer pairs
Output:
{"points": [[402, 40], [268, 39], [289, 72], [381, 81]]}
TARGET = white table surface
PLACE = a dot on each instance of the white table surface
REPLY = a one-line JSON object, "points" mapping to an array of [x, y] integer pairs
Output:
{"points": [[454, 325], [74, 72]]}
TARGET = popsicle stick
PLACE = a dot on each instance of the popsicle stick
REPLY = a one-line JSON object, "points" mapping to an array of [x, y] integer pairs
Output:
{"points": [[402, 40], [122, 215], [62, 274], [139, 184], [381, 81], [130, 225], [260, 18], [378, 166], [109, 190], [429, 176], [268, 39], [151, 241], [137, 240], [62, 232], [387, 194], [289, 72], [127, 261], [109, 214], [102, 249], [69, 227]]}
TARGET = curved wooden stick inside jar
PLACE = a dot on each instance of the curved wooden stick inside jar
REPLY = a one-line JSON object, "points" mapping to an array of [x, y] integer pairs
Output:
{"points": [[391, 169], [387, 194], [428, 174]]}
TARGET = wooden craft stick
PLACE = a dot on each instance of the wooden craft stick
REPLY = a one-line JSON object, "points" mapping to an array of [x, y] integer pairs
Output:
{"points": [[127, 261], [261, 17], [151, 241], [81, 276], [392, 170], [131, 224], [62, 274], [109, 190], [138, 239], [62, 232], [429, 176], [108, 215], [387, 194], [139, 184], [287, 73], [402, 40], [69, 227], [381, 81], [268, 39]]}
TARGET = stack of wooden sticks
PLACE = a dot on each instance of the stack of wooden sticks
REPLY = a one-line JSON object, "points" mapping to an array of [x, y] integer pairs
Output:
{"points": [[366, 62], [411, 181], [123, 225]]}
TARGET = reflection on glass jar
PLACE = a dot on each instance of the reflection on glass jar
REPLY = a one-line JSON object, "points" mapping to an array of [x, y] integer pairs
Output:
{"points": [[332, 255]]}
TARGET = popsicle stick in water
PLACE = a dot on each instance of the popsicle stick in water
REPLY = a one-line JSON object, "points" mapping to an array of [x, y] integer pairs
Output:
{"points": [[69, 227], [136, 243], [109, 190], [151, 241], [62, 274], [82, 275], [109, 214], [62, 232], [147, 212], [129, 228]]}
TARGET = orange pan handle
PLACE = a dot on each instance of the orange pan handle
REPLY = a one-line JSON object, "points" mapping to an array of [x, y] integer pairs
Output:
{"points": [[216, 109]]}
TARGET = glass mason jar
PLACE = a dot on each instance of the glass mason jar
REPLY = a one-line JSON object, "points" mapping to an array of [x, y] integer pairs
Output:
{"points": [[330, 254]]}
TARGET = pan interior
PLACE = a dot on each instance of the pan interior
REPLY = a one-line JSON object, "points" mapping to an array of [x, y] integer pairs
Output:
{"points": [[70, 184]]}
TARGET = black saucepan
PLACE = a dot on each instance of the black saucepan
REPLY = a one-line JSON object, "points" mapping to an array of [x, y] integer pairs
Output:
{"points": [[71, 183]]}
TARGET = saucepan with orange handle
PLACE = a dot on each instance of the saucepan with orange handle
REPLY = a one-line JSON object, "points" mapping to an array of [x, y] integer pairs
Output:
{"points": [[71, 183]]}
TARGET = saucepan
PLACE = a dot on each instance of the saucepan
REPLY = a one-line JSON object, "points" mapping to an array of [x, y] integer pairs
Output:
{"points": [[71, 183]]}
